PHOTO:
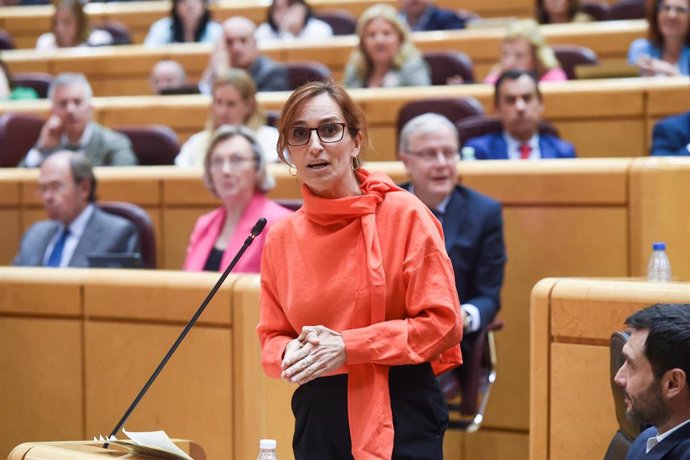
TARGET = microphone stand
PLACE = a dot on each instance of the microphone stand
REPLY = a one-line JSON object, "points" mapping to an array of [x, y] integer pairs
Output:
{"points": [[256, 230]]}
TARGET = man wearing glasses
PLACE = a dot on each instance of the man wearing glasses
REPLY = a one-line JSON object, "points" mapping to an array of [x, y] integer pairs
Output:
{"points": [[76, 227], [472, 223]]}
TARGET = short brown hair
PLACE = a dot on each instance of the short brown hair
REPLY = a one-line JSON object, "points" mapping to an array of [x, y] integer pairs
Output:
{"points": [[354, 116]]}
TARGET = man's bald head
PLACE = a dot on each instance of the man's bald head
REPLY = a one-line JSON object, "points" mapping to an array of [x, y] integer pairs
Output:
{"points": [[238, 32]]}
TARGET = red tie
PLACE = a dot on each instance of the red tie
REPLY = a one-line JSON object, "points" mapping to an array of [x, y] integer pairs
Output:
{"points": [[525, 150]]}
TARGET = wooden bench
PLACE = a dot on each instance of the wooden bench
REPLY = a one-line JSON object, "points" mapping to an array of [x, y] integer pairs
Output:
{"points": [[27, 23], [572, 415], [124, 70]]}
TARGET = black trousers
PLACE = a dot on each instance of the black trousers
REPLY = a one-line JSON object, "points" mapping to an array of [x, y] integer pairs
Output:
{"points": [[420, 416]]}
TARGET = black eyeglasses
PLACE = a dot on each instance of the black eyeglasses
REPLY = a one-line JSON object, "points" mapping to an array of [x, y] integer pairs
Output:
{"points": [[328, 133]]}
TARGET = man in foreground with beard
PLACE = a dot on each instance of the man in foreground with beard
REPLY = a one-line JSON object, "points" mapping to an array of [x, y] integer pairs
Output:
{"points": [[655, 379]]}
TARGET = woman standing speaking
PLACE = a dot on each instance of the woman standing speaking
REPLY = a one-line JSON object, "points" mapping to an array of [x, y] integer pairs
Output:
{"points": [[358, 302]]}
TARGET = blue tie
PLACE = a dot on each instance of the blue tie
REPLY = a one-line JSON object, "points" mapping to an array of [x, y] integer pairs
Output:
{"points": [[56, 255]]}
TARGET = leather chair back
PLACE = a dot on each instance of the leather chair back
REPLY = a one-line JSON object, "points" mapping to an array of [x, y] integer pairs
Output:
{"points": [[152, 144], [119, 31], [143, 224], [18, 134], [571, 56], [6, 42], [341, 21], [455, 109], [628, 430], [301, 72], [445, 64], [626, 9]]}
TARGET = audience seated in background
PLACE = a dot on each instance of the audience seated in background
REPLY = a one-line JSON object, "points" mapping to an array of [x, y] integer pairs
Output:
{"points": [[235, 172], [167, 74], [77, 228], [666, 52], [421, 15], [71, 127], [654, 377], [292, 19], [671, 136], [70, 27], [385, 56], [9, 90], [238, 48], [524, 48], [518, 104], [233, 103], [189, 21], [472, 223], [560, 12]]}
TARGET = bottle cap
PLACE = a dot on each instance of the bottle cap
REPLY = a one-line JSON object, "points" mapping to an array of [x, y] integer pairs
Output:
{"points": [[659, 246], [267, 444]]}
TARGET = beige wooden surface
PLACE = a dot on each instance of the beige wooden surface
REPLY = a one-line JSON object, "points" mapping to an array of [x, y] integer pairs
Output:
{"points": [[601, 118], [124, 70], [571, 408], [25, 24]]}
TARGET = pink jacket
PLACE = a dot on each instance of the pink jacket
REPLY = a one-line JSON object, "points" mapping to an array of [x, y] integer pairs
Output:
{"points": [[209, 226]]}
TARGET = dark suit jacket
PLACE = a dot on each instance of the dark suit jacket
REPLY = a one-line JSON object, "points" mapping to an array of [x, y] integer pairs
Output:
{"points": [[105, 148], [473, 231], [440, 19], [493, 147], [104, 233], [671, 135], [268, 75], [675, 447]]}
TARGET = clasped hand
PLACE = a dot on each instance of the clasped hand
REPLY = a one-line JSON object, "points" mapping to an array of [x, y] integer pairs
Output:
{"points": [[317, 351]]}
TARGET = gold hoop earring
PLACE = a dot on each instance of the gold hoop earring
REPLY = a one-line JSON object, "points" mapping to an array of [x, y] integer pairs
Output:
{"points": [[356, 163], [292, 170]]}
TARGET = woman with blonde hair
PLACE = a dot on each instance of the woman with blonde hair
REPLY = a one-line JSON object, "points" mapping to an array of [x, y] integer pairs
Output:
{"points": [[524, 48], [233, 103], [385, 56]]}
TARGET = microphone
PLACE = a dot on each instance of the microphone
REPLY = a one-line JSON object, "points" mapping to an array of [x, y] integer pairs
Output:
{"points": [[255, 231]]}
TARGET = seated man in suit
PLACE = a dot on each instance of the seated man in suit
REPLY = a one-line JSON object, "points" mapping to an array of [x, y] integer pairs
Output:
{"points": [[671, 136], [654, 377], [423, 15], [71, 127], [76, 227], [239, 49], [518, 104], [472, 223]]}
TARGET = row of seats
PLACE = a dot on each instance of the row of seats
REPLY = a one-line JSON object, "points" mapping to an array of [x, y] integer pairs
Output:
{"points": [[153, 144], [442, 64]]}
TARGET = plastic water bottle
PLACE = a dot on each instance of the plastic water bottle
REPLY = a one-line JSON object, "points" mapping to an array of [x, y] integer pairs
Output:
{"points": [[267, 450], [659, 267], [467, 153]]}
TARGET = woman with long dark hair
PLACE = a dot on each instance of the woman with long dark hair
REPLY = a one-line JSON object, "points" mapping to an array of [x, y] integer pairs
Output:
{"points": [[189, 22]]}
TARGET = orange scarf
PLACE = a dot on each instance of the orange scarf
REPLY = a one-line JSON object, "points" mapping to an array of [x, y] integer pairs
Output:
{"points": [[369, 406]]}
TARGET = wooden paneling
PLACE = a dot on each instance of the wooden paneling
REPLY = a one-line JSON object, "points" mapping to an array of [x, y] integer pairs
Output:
{"points": [[572, 414]]}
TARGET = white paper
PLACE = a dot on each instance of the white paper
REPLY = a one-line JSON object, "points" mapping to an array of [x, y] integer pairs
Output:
{"points": [[156, 439]]}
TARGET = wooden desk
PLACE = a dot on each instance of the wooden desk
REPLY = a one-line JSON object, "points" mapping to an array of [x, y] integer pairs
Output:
{"points": [[124, 70], [572, 415], [25, 24], [600, 117]]}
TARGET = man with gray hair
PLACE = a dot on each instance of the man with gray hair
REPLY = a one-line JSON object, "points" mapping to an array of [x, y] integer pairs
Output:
{"points": [[238, 48], [71, 127], [77, 227], [472, 223]]}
